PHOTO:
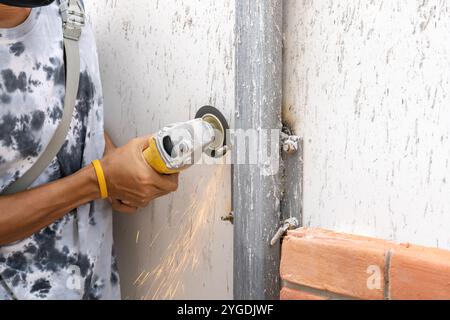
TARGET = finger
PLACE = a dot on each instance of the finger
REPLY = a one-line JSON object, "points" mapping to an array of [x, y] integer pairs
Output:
{"points": [[125, 202], [144, 142], [161, 180], [174, 178], [175, 181], [133, 203], [170, 183], [117, 206]]}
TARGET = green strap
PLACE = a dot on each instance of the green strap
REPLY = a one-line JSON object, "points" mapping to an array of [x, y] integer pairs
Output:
{"points": [[73, 19]]}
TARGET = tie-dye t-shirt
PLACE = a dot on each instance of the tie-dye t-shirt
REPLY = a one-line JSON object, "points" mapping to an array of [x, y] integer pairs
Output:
{"points": [[72, 258]]}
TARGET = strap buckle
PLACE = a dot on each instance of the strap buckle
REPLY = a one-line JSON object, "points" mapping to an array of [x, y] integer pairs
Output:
{"points": [[73, 18]]}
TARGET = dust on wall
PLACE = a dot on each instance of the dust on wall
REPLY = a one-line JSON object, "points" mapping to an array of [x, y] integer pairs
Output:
{"points": [[161, 61]]}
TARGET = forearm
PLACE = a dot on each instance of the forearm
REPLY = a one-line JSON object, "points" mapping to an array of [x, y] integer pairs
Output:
{"points": [[23, 214]]}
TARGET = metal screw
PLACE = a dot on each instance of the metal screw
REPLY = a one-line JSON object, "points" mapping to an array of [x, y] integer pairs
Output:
{"points": [[288, 224], [290, 143], [290, 146], [229, 218]]}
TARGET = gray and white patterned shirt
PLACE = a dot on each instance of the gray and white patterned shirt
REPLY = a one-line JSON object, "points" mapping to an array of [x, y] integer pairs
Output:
{"points": [[73, 258]]}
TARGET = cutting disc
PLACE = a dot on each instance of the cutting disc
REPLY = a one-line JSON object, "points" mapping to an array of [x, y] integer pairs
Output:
{"points": [[217, 120]]}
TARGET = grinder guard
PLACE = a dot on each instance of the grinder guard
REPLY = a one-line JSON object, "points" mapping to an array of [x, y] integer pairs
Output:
{"points": [[180, 145]]}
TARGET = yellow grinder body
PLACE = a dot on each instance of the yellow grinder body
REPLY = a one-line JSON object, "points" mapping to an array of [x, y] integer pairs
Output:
{"points": [[180, 145]]}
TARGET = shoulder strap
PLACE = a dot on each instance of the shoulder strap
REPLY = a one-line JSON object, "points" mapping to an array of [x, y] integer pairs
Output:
{"points": [[72, 13]]}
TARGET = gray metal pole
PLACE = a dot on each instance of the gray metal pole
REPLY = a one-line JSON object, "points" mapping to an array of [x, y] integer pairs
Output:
{"points": [[256, 200]]}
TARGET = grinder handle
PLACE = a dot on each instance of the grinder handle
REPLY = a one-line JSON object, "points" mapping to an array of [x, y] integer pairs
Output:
{"points": [[154, 159]]}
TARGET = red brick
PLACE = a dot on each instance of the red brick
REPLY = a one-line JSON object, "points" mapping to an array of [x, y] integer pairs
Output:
{"points": [[418, 273], [333, 262], [328, 234], [337, 263], [290, 294]]}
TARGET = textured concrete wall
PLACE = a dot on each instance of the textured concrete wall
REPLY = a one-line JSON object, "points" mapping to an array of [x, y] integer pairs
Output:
{"points": [[366, 85], [160, 61]]}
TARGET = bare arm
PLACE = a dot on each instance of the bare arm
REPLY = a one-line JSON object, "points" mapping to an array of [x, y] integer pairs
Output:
{"points": [[128, 178], [23, 214]]}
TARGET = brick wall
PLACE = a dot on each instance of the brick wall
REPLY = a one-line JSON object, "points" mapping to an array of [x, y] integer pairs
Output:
{"points": [[318, 264]]}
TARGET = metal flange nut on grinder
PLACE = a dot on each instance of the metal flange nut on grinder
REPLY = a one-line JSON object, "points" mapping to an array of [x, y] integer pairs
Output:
{"points": [[180, 145]]}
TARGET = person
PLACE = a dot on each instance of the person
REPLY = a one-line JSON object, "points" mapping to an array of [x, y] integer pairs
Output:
{"points": [[56, 237]]}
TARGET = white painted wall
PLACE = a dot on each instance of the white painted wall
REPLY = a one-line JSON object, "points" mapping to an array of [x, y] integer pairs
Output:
{"points": [[367, 87], [161, 61]]}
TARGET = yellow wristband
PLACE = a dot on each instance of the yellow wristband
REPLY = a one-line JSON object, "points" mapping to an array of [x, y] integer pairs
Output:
{"points": [[101, 179]]}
